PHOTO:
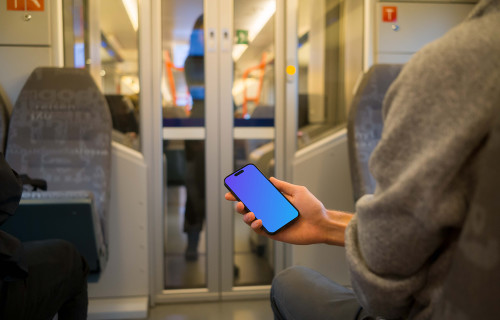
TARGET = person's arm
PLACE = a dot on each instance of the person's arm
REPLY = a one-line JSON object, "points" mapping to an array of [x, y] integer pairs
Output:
{"points": [[315, 224], [12, 264], [437, 115]]}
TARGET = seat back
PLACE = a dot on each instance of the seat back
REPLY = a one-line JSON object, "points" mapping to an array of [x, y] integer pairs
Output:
{"points": [[122, 113], [364, 124], [60, 131]]}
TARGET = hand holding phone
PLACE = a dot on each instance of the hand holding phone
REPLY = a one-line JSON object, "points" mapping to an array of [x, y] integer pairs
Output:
{"points": [[261, 197]]}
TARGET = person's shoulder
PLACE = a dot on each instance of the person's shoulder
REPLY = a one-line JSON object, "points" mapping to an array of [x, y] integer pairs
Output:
{"points": [[478, 34]]}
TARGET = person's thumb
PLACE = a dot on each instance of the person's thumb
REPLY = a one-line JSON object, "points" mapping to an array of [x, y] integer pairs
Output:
{"points": [[283, 186]]}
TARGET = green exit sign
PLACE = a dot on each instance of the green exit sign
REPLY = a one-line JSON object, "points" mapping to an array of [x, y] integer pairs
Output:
{"points": [[241, 36]]}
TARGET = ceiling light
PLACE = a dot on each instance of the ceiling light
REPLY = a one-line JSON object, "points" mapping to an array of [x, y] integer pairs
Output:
{"points": [[131, 8]]}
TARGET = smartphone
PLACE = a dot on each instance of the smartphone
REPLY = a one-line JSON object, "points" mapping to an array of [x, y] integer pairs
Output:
{"points": [[260, 196]]}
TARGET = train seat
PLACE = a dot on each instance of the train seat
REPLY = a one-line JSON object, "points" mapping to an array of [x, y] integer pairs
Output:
{"points": [[60, 131], [124, 119], [122, 113], [364, 124]]}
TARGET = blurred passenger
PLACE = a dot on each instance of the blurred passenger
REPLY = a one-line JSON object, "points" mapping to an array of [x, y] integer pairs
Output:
{"points": [[38, 279], [195, 149], [400, 243]]}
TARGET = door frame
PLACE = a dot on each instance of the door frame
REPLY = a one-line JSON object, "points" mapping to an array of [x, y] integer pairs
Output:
{"points": [[218, 139]]}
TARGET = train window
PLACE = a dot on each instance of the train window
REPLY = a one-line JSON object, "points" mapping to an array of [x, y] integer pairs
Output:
{"points": [[320, 95], [120, 68], [75, 33], [119, 64]]}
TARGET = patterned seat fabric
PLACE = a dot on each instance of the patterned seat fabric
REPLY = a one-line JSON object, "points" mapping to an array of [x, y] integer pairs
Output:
{"points": [[364, 126], [60, 131]]}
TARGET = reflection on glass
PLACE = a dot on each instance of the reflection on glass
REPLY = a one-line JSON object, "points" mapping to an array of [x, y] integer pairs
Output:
{"points": [[185, 247], [253, 56], [320, 72], [183, 83], [75, 34], [254, 104], [183, 103], [253, 253], [194, 215], [120, 68]]}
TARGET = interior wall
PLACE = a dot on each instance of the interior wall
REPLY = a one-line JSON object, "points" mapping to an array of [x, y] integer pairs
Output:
{"points": [[396, 41], [323, 168], [353, 47], [28, 39]]}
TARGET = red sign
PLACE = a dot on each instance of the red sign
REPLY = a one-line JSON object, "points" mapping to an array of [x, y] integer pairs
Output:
{"points": [[31, 5], [389, 14]]}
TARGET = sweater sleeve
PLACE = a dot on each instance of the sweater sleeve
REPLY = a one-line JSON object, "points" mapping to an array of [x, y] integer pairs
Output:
{"points": [[437, 114], [12, 264]]}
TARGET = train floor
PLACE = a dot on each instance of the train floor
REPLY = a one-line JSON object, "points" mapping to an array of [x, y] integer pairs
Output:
{"points": [[227, 310]]}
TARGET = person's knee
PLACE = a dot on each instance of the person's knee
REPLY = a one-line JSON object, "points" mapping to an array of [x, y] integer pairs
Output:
{"points": [[289, 277], [70, 263], [286, 292], [302, 293], [64, 249], [288, 282]]}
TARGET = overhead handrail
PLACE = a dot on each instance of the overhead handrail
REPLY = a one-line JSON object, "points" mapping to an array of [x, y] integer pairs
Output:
{"points": [[169, 66], [261, 66]]}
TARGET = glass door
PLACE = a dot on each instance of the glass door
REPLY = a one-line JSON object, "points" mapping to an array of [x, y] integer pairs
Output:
{"points": [[184, 109], [220, 101], [254, 108]]}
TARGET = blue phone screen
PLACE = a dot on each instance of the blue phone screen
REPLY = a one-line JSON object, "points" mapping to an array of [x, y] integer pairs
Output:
{"points": [[261, 197]]}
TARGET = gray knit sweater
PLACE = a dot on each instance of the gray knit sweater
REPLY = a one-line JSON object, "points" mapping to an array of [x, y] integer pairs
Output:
{"points": [[437, 115]]}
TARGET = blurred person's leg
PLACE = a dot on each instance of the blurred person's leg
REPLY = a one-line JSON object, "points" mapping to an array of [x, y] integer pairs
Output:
{"points": [[302, 293], [56, 283], [194, 215]]}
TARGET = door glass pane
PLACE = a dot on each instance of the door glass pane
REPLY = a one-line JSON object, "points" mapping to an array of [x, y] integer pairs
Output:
{"points": [[253, 253], [183, 104], [185, 248], [320, 73], [182, 85], [254, 104], [253, 56]]}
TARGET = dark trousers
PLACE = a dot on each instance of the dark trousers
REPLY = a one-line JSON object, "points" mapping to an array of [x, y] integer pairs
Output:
{"points": [[195, 186], [56, 284], [301, 293]]}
